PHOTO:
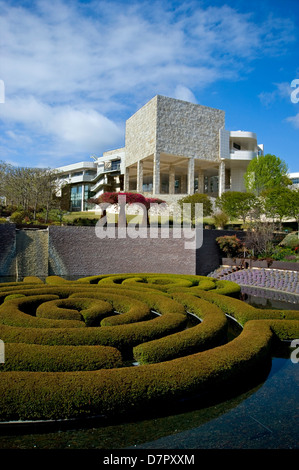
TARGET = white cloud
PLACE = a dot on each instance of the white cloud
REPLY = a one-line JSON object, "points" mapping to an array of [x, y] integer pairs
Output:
{"points": [[74, 70], [282, 90], [69, 128], [184, 93], [294, 120]]}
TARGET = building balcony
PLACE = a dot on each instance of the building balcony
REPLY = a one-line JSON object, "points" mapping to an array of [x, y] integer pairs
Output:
{"points": [[242, 154], [79, 179], [111, 166]]}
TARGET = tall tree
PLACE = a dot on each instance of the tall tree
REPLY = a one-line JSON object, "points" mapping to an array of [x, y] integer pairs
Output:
{"points": [[28, 188], [277, 203], [237, 204], [294, 206], [264, 172]]}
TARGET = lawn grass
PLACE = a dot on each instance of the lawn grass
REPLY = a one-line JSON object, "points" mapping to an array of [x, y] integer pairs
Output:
{"points": [[111, 217]]}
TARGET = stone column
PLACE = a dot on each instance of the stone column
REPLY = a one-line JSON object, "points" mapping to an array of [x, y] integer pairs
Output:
{"points": [[221, 178], [156, 174], [139, 176], [171, 179], [183, 184], [126, 179], [191, 176], [201, 182]]}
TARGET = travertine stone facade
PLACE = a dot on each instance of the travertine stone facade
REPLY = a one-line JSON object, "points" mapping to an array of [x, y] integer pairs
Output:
{"points": [[141, 133], [174, 127], [187, 129]]}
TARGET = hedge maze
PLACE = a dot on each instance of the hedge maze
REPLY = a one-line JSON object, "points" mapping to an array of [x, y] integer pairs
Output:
{"points": [[114, 344]]}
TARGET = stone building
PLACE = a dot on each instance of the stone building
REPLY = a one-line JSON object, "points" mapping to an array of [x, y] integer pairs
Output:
{"points": [[172, 148]]}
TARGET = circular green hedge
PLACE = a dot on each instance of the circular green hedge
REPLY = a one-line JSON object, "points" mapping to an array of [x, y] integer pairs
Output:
{"points": [[113, 344]]}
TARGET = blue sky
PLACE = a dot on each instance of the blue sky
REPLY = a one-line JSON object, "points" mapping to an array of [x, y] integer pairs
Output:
{"points": [[74, 71]]}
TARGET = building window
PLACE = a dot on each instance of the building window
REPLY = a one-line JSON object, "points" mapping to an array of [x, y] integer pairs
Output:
{"points": [[76, 198], [112, 165], [90, 172], [236, 146]]}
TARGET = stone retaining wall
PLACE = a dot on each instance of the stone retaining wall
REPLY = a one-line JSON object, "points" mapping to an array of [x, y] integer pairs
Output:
{"points": [[76, 252], [7, 249]]}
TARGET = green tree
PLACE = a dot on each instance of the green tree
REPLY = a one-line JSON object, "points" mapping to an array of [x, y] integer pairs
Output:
{"points": [[237, 204], [30, 189], [294, 205], [264, 172], [197, 198], [277, 203]]}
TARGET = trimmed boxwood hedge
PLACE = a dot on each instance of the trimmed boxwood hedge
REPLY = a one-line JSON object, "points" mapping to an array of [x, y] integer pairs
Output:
{"points": [[210, 333], [123, 337], [59, 369], [91, 311], [33, 395], [243, 313], [36, 357]]}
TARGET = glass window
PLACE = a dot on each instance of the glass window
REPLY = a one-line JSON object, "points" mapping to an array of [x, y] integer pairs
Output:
{"points": [[76, 197]]}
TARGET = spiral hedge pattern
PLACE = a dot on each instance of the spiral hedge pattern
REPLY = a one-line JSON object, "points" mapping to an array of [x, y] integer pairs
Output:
{"points": [[113, 344]]}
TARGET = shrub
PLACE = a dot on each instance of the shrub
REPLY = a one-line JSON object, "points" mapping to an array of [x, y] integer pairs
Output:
{"points": [[203, 336], [35, 357], [117, 391], [231, 245], [17, 217], [280, 253], [84, 221], [33, 384], [197, 198], [221, 219], [13, 296], [291, 240]]}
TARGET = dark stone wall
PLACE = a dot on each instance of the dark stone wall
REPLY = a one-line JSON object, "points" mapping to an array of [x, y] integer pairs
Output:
{"points": [[208, 257], [77, 251], [7, 249]]}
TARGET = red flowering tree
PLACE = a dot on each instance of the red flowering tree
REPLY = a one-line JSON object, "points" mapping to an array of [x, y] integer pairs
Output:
{"points": [[126, 198]]}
